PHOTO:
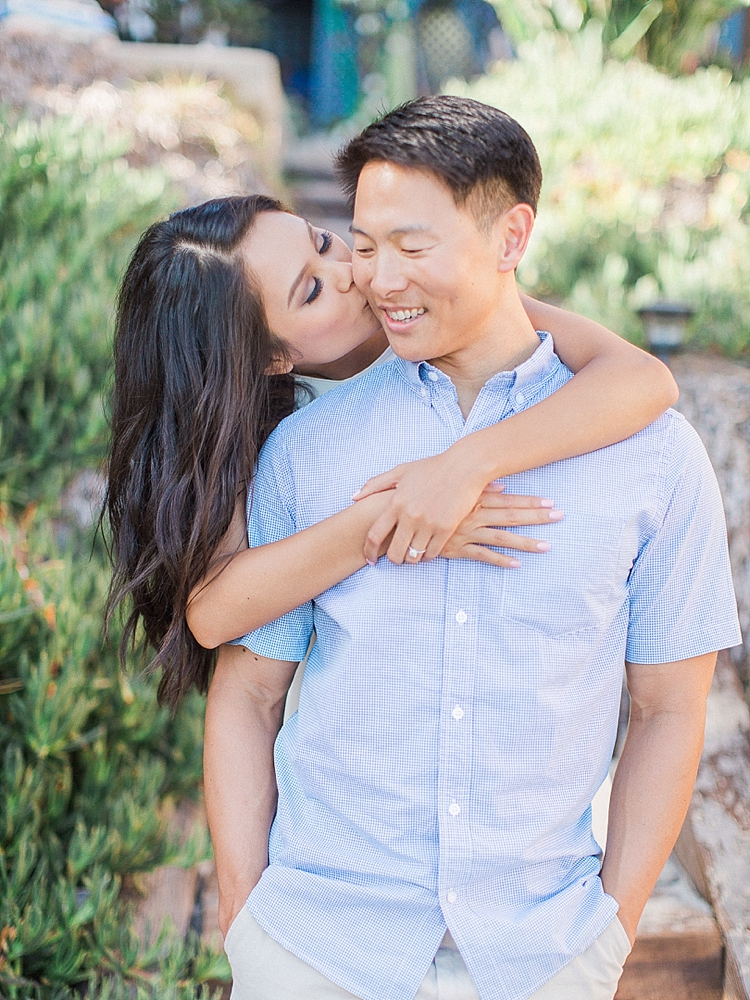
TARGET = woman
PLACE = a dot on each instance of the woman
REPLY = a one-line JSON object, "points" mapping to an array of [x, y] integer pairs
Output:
{"points": [[221, 307]]}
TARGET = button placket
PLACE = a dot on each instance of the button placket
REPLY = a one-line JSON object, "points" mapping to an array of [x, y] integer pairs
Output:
{"points": [[456, 732]]}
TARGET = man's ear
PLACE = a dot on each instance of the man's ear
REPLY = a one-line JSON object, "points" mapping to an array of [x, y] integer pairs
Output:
{"points": [[513, 233]]}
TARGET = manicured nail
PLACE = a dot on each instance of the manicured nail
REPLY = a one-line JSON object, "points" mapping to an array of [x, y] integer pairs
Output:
{"points": [[543, 546], [548, 503], [515, 563], [370, 562], [556, 515], [355, 495]]}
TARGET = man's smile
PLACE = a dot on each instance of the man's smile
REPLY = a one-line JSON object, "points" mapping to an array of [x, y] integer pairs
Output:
{"points": [[400, 319]]}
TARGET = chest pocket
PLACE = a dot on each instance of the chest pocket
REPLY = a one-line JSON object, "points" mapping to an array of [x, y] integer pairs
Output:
{"points": [[580, 584]]}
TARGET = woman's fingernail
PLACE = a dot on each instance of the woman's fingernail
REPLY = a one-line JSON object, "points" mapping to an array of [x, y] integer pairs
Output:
{"points": [[556, 515], [543, 546], [515, 563], [370, 562], [355, 495], [548, 503]]}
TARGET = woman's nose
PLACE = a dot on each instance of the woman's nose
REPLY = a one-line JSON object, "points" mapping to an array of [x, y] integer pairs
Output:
{"points": [[342, 275]]}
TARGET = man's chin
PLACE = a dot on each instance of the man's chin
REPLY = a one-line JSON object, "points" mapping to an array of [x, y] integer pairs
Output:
{"points": [[409, 352]]}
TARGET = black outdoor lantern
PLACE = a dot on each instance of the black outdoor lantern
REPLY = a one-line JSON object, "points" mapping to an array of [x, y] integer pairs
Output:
{"points": [[665, 324]]}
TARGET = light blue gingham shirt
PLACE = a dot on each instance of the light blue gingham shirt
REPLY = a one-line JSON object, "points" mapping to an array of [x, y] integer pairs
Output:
{"points": [[456, 719]]}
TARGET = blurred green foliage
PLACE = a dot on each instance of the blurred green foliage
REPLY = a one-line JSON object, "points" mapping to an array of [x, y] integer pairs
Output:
{"points": [[89, 764], [663, 32], [70, 211], [647, 185]]}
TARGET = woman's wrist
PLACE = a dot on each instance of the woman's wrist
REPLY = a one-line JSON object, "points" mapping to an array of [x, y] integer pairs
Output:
{"points": [[475, 458], [361, 515]]}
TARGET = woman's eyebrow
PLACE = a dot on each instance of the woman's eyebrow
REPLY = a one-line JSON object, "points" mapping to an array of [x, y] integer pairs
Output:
{"points": [[303, 272]]}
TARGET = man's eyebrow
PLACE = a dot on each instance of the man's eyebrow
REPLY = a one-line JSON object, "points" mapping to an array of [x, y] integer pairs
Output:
{"points": [[401, 231], [303, 272]]}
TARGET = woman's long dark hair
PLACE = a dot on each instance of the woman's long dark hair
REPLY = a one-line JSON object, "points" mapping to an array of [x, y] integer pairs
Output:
{"points": [[192, 406]]}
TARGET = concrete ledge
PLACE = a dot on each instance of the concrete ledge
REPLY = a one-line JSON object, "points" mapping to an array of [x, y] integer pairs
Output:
{"points": [[714, 845], [252, 75]]}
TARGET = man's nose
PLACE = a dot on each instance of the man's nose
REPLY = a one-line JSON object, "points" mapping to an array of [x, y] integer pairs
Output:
{"points": [[386, 276]]}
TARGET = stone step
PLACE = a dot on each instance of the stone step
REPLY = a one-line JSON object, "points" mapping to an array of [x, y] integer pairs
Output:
{"points": [[316, 196], [312, 157], [678, 951]]}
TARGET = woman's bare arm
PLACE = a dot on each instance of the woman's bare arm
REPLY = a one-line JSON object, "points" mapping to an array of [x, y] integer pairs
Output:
{"points": [[618, 390], [246, 588]]}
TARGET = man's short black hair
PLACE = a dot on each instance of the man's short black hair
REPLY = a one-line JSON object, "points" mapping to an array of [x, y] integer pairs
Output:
{"points": [[483, 155]]}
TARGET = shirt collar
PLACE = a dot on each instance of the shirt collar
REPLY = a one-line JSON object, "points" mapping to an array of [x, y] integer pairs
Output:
{"points": [[528, 378]]}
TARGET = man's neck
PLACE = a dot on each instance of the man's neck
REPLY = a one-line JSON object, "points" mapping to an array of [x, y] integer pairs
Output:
{"points": [[505, 347], [352, 363]]}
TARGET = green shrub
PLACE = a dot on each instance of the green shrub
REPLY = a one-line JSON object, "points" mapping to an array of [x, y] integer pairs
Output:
{"points": [[647, 180], [90, 766], [70, 210], [663, 32], [88, 762]]}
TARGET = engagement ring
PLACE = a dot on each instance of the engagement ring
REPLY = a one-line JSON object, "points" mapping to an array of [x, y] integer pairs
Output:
{"points": [[416, 553]]}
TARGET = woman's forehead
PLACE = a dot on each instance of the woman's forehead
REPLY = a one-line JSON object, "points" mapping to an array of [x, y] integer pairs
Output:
{"points": [[274, 249]]}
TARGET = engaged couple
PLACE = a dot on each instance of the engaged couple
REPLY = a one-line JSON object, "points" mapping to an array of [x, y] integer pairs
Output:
{"points": [[422, 826]]}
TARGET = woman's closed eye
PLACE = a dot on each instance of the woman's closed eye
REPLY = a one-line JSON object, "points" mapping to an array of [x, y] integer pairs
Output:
{"points": [[317, 289], [325, 246]]}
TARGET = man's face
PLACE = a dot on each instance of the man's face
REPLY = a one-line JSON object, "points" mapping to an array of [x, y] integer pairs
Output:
{"points": [[430, 275]]}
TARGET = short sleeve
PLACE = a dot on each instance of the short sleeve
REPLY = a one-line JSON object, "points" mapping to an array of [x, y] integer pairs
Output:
{"points": [[682, 601], [271, 507]]}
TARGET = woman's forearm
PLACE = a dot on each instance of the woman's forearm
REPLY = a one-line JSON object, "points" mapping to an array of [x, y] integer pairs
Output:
{"points": [[617, 391], [256, 586]]}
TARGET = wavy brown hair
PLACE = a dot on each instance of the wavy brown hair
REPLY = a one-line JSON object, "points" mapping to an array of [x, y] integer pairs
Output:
{"points": [[191, 409]]}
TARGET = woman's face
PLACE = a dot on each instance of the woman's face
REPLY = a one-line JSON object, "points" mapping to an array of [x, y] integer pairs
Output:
{"points": [[311, 301]]}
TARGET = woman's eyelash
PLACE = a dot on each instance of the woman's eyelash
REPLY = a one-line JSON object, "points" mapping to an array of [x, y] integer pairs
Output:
{"points": [[325, 246], [317, 289]]}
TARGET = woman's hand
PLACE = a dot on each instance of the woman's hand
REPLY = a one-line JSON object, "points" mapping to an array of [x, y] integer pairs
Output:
{"points": [[430, 499], [483, 528]]}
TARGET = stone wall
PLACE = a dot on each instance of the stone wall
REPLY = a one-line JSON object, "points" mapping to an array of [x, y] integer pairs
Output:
{"points": [[715, 397], [225, 106]]}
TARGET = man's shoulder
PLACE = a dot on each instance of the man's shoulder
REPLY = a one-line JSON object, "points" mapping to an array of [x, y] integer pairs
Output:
{"points": [[667, 440], [675, 437]]}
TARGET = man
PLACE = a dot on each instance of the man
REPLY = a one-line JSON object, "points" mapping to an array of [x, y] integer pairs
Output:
{"points": [[433, 833]]}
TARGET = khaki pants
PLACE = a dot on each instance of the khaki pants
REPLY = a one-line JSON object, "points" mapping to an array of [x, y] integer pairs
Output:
{"points": [[264, 970]]}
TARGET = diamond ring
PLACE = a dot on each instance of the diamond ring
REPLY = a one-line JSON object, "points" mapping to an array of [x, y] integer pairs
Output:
{"points": [[415, 553]]}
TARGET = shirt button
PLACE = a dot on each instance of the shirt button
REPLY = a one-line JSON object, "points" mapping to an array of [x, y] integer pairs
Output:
{"points": [[452, 896], [461, 617], [433, 376], [458, 712], [424, 391], [520, 398], [454, 808]]}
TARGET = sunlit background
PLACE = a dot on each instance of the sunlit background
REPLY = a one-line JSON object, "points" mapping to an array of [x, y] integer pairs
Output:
{"points": [[113, 114]]}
